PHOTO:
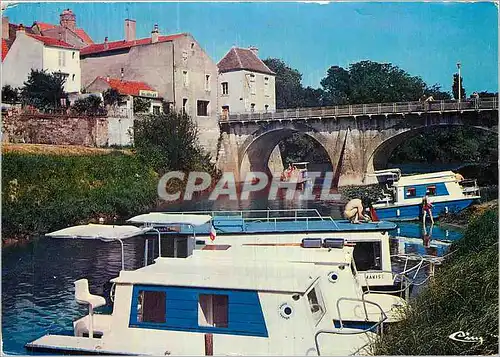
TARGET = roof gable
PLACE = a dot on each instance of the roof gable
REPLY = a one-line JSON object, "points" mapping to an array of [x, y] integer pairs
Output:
{"points": [[117, 45], [242, 59]]}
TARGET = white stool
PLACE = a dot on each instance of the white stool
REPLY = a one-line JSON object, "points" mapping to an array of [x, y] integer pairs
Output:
{"points": [[84, 297]]}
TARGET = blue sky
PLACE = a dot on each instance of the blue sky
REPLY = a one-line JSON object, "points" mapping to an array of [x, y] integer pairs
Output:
{"points": [[425, 39]]}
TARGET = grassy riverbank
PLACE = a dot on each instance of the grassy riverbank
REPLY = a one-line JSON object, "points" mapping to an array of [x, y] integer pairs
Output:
{"points": [[463, 296], [44, 190]]}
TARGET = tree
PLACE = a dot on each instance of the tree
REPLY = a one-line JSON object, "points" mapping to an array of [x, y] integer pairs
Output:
{"points": [[288, 84], [436, 93], [454, 88], [111, 97], [311, 97], [9, 94], [91, 105], [336, 85], [485, 94], [141, 105], [44, 90], [170, 142]]}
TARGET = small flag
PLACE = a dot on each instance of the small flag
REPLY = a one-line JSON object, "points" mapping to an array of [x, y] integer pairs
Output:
{"points": [[213, 233]]}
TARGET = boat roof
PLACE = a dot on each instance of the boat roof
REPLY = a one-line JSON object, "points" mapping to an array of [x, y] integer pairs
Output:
{"points": [[429, 178], [99, 231], [278, 253], [160, 218], [208, 273]]}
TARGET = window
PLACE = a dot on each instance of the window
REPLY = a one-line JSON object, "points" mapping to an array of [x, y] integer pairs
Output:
{"points": [[266, 86], [152, 306], [156, 109], [207, 82], [252, 107], [202, 108], [185, 79], [431, 191], [225, 88], [73, 55], [184, 105], [367, 256], [266, 107], [411, 192], [62, 59], [73, 77], [316, 304], [251, 83], [213, 310]]}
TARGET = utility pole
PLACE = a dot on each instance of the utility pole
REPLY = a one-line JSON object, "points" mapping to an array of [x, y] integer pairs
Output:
{"points": [[459, 83]]}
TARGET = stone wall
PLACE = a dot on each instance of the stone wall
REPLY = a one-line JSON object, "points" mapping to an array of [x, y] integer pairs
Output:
{"points": [[54, 129]]}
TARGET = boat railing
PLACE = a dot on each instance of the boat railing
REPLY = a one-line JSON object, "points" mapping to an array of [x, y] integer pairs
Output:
{"points": [[376, 326], [264, 213], [404, 281], [383, 315]]}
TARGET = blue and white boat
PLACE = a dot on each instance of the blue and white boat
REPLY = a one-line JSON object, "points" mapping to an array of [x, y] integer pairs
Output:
{"points": [[230, 303], [447, 191]]}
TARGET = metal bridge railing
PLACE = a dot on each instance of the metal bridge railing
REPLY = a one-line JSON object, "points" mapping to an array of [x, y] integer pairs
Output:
{"points": [[368, 109]]}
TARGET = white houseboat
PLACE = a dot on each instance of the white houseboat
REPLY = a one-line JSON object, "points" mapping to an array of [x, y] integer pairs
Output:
{"points": [[233, 306], [446, 191]]}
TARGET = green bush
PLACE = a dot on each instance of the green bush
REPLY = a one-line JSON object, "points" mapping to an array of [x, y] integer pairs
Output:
{"points": [[42, 193], [463, 296]]}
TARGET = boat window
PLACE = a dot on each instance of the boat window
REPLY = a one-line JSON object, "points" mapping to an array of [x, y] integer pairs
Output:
{"points": [[151, 306], [367, 256], [316, 304], [431, 191], [411, 192], [213, 310]]}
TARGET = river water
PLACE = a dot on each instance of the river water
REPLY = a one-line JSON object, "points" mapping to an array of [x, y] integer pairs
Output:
{"points": [[37, 278]]}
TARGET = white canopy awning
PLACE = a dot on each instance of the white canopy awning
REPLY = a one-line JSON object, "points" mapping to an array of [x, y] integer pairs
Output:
{"points": [[99, 231], [171, 219]]}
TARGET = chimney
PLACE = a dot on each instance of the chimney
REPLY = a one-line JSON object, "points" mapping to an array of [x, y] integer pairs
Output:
{"points": [[106, 43], [155, 34], [68, 19], [129, 30], [5, 27], [255, 50], [121, 74]]}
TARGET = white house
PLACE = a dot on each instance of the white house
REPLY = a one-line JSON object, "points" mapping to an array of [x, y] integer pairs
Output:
{"points": [[246, 84], [31, 51]]}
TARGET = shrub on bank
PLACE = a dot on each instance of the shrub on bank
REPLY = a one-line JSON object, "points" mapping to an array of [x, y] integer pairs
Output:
{"points": [[41, 193], [463, 296]]}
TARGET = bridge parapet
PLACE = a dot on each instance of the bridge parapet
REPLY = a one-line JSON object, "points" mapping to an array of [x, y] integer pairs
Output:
{"points": [[400, 108]]}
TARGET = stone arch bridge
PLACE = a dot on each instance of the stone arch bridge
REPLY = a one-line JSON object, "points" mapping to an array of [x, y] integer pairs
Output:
{"points": [[357, 138]]}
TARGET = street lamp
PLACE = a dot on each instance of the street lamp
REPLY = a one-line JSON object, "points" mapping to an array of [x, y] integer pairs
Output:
{"points": [[459, 84]]}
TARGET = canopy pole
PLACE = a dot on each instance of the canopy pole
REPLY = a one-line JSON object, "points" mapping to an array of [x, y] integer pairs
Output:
{"points": [[123, 254], [159, 241]]}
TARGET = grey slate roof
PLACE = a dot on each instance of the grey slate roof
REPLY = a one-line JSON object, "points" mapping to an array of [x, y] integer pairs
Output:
{"points": [[242, 58]]}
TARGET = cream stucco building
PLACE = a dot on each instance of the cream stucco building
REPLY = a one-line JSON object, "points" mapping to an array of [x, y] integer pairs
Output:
{"points": [[30, 51], [246, 84]]}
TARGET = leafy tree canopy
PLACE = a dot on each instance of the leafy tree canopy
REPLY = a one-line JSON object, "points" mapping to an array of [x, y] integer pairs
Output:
{"points": [[44, 90], [170, 142], [141, 105], [111, 96], [9, 94], [91, 105]]}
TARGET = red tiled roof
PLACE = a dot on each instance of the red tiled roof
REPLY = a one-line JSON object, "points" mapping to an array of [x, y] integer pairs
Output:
{"points": [[5, 49], [126, 87], [43, 26], [242, 58], [84, 36], [116, 45], [49, 41]]}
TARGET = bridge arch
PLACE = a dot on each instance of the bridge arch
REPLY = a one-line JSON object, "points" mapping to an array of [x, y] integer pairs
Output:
{"points": [[256, 150], [381, 154]]}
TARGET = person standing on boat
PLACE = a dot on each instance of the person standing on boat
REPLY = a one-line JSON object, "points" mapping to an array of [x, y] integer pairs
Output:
{"points": [[427, 208], [353, 211]]}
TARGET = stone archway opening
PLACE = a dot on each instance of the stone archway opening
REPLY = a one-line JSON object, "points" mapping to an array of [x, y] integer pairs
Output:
{"points": [[436, 148], [272, 151]]}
